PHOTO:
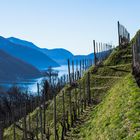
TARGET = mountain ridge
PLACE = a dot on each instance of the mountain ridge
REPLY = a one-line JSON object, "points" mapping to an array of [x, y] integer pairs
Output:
{"points": [[27, 54], [60, 55], [14, 69]]}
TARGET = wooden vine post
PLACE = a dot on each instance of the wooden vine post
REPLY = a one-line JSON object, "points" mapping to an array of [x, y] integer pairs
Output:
{"points": [[44, 112], [97, 53], [63, 100], [75, 104], [101, 52], [119, 38], [37, 125], [70, 109], [63, 117], [1, 130], [69, 71], [81, 103], [69, 94], [40, 111], [29, 117], [54, 117], [84, 95], [80, 69], [13, 121], [88, 88], [67, 120], [24, 121], [73, 71], [94, 47], [85, 64], [83, 67]]}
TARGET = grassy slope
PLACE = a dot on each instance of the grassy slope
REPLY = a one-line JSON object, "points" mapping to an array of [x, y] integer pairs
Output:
{"points": [[116, 116]]}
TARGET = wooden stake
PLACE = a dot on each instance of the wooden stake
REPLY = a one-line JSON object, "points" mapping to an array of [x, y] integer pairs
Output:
{"points": [[88, 88], [76, 70], [25, 123], [67, 120], [84, 96], [13, 119], [80, 92], [80, 69], [95, 58], [83, 66], [29, 123], [44, 112], [1, 130], [37, 125], [69, 72], [97, 52], [119, 39], [73, 70], [76, 103], [70, 108], [63, 118], [54, 118], [102, 52], [63, 102], [40, 111]]}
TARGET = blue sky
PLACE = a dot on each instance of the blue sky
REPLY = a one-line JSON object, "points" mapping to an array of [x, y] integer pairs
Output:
{"points": [[69, 24]]}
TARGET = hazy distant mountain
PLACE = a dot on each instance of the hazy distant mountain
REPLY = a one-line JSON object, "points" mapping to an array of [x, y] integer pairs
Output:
{"points": [[22, 42], [13, 69], [59, 55], [27, 54], [81, 57]]}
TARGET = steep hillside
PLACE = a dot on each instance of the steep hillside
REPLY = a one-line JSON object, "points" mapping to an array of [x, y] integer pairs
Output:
{"points": [[13, 69], [27, 54], [116, 116]]}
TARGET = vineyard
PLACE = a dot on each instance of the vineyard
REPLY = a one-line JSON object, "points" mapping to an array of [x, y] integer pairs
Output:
{"points": [[96, 100]]}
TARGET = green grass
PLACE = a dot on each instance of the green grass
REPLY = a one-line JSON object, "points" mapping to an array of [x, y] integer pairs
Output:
{"points": [[117, 116]]}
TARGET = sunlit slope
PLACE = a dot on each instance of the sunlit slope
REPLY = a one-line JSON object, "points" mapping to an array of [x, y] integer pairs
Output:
{"points": [[117, 116]]}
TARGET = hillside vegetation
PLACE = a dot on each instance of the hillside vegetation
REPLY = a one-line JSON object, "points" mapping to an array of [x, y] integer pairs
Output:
{"points": [[116, 109], [116, 117]]}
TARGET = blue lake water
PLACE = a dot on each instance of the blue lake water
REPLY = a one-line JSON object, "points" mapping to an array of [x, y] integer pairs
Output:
{"points": [[31, 85]]}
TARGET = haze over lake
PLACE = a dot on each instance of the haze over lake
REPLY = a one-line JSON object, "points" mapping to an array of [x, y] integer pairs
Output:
{"points": [[31, 84]]}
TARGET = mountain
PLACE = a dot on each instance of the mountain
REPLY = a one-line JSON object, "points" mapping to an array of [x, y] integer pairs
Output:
{"points": [[81, 57], [13, 69], [22, 42], [27, 54], [59, 55]]}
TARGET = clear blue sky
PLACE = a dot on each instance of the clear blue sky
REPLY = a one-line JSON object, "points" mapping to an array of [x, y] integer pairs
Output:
{"points": [[69, 24]]}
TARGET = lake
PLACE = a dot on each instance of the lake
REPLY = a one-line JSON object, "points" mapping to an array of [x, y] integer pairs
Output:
{"points": [[31, 84]]}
